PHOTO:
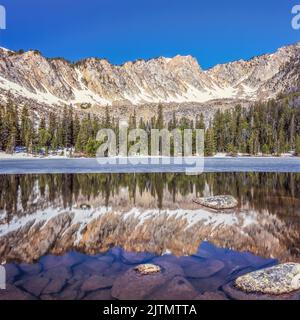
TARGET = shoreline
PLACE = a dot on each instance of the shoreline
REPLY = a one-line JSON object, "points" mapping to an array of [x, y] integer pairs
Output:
{"points": [[31, 157]]}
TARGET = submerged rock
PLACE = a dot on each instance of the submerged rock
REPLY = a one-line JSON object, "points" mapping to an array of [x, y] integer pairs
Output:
{"points": [[55, 286], [99, 295], [218, 202], [178, 288], [135, 286], [97, 282], [14, 293], [30, 269], [34, 285], [145, 269], [196, 268], [12, 272], [281, 279]]}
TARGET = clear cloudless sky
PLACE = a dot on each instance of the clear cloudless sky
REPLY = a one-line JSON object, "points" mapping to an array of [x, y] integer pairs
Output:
{"points": [[213, 31]]}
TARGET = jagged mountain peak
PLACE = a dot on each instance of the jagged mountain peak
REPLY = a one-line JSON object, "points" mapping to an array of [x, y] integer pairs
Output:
{"points": [[179, 79]]}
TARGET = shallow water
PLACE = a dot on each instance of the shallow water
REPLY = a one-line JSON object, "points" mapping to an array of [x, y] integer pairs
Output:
{"points": [[79, 276], [74, 236]]}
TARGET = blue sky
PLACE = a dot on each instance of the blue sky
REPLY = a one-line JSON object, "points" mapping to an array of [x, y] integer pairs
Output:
{"points": [[213, 31]]}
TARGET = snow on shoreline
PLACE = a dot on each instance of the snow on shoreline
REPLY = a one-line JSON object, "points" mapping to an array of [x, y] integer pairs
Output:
{"points": [[28, 156]]}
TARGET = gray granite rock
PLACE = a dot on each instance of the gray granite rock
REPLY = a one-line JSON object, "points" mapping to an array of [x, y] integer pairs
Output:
{"points": [[236, 294], [281, 279]]}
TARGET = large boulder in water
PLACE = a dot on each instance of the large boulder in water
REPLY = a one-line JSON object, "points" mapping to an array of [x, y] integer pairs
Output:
{"points": [[281, 282], [217, 202], [281, 279]]}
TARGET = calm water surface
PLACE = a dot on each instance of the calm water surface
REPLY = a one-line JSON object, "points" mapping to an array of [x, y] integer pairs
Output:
{"points": [[77, 236]]}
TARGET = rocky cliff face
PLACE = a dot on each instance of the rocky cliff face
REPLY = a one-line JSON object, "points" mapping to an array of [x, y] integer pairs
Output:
{"points": [[180, 79]]}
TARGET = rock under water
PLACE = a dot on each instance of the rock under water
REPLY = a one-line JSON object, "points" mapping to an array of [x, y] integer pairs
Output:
{"points": [[145, 269]]}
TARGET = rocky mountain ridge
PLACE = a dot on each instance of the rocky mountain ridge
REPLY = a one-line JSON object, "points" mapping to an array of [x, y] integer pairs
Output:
{"points": [[93, 82]]}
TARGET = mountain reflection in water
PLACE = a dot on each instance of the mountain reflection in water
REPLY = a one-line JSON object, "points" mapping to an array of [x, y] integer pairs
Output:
{"points": [[92, 213]]}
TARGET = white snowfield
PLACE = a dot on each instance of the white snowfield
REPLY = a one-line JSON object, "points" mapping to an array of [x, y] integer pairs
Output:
{"points": [[85, 95]]}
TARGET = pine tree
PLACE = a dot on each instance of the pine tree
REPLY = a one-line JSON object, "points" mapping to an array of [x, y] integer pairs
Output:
{"points": [[52, 124], [265, 149], [11, 129], [26, 130], [76, 129], [142, 124], [218, 127], [91, 147], [200, 124], [173, 122], [209, 143], [107, 119], [11, 144], [60, 137], [84, 134], [160, 118], [67, 125], [132, 121], [44, 136], [298, 145]]}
